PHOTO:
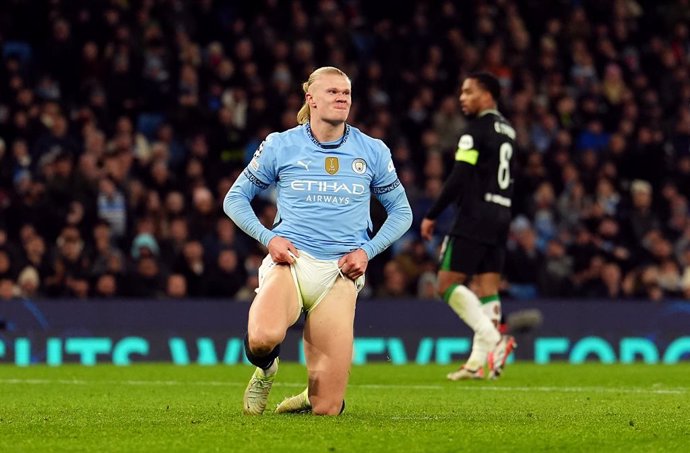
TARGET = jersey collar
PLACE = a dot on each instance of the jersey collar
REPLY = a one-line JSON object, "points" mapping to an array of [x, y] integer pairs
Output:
{"points": [[489, 111], [335, 145]]}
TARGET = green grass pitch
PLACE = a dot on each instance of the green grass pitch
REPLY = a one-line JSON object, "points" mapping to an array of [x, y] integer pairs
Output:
{"points": [[557, 407]]}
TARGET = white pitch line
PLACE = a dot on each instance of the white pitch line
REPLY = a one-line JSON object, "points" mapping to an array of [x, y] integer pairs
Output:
{"points": [[672, 391], [540, 389], [200, 383], [423, 417]]}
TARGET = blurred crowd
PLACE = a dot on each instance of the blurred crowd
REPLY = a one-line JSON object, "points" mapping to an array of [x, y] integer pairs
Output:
{"points": [[123, 123]]}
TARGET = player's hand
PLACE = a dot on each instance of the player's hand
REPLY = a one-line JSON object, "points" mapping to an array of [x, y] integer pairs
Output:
{"points": [[427, 229], [282, 250], [354, 264]]}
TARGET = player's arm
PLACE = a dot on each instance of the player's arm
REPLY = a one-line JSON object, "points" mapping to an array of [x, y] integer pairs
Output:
{"points": [[387, 189], [386, 186], [256, 178], [465, 160], [451, 191], [397, 223], [399, 219], [237, 206]]}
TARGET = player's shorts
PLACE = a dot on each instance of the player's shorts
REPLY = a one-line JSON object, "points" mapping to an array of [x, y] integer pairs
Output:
{"points": [[459, 254], [313, 278]]}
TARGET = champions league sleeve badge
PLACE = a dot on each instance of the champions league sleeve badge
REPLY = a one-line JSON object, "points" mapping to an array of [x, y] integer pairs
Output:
{"points": [[260, 150]]}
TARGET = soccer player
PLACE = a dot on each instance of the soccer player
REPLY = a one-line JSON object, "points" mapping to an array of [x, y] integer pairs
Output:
{"points": [[324, 171], [481, 184]]}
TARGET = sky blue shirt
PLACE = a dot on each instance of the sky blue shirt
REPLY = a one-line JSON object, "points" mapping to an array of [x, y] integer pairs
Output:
{"points": [[323, 192]]}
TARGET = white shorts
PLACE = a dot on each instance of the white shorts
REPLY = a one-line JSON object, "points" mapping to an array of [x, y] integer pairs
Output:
{"points": [[313, 278]]}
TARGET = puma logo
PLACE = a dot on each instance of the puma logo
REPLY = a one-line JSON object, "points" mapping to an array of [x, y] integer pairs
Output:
{"points": [[304, 164]]}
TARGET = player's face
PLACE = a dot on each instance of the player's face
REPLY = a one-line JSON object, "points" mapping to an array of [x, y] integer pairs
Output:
{"points": [[472, 97], [330, 98]]}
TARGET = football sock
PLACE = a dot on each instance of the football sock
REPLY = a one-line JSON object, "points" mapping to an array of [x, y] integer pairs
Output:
{"points": [[467, 306], [264, 362], [491, 306]]}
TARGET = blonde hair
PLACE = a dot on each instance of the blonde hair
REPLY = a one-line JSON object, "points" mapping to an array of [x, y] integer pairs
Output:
{"points": [[305, 112]]}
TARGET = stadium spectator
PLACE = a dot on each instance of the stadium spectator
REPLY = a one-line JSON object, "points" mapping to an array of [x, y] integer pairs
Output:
{"points": [[252, 263], [192, 266], [523, 261], [7, 289], [554, 279], [102, 248], [6, 268], [70, 267], [226, 278], [176, 287], [28, 283], [112, 207], [394, 282], [147, 282], [106, 286]]}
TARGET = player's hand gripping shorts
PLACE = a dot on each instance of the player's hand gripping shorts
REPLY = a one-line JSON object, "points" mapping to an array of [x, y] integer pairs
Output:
{"points": [[313, 278]]}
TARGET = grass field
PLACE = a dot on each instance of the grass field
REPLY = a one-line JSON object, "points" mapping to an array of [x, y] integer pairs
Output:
{"points": [[556, 407]]}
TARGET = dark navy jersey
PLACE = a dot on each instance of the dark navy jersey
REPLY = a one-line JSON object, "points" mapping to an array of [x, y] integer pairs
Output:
{"points": [[481, 183]]}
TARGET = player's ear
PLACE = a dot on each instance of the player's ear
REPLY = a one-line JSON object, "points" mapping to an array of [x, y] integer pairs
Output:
{"points": [[310, 100]]}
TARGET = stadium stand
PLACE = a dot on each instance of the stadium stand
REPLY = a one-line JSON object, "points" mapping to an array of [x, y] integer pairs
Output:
{"points": [[123, 124]]}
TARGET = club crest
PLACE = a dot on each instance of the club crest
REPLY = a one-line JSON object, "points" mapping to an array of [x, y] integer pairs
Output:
{"points": [[332, 165], [359, 166]]}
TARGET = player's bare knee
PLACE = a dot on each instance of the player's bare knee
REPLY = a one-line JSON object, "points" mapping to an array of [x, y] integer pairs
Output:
{"points": [[262, 343], [326, 406]]}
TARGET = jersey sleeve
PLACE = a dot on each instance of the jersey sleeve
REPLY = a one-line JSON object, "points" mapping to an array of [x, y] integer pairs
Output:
{"points": [[263, 165], [452, 190], [397, 223], [385, 178], [256, 177], [468, 146], [466, 157], [386, 187]]}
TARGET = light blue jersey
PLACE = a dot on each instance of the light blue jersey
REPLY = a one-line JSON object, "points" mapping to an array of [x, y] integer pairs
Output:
{"points": [[323, 192]]}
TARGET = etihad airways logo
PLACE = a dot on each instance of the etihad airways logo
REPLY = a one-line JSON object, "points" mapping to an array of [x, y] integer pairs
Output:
{"points": [[327, 187]]}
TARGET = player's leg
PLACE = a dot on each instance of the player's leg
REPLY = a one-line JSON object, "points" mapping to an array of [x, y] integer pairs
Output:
{"points": [[466, 305], [487, 288], [459, 259], [328, 338], [487, 285], [274, 309]]}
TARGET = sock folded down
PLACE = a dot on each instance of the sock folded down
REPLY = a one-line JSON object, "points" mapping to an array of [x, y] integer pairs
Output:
{"points": [[263, 362]]}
